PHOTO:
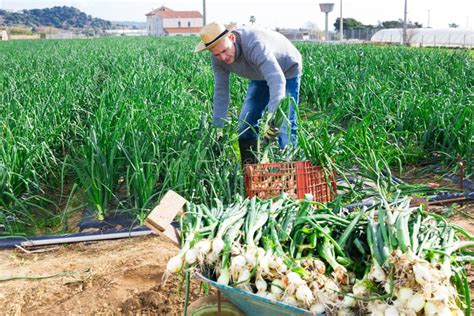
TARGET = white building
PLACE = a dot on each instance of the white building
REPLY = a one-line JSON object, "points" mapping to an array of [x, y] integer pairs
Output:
{"points": [[166, 22], [3, 35], [126, 32]]}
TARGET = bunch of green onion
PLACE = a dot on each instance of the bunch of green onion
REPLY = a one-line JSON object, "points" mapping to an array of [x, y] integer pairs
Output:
{"points": [[388, 259]]}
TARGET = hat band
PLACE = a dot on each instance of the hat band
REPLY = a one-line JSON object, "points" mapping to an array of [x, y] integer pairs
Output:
{"points": [[216, 39]]}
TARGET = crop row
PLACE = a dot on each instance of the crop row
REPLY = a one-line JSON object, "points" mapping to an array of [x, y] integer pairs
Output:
{"points": [[112, 124]]}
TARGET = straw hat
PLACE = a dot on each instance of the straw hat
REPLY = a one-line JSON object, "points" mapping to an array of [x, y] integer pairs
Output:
{"points": [[211, 35]]}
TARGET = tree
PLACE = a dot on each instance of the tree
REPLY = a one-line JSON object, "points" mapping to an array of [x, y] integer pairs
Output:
{"points": [[311, 26], [348, 23], [453, 25], [312, 29], [399, 24], [253, 19], [59, 17], [391, 24]]}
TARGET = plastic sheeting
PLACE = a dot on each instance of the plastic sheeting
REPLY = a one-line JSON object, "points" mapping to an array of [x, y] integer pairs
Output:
{"points": [[427, 37]]}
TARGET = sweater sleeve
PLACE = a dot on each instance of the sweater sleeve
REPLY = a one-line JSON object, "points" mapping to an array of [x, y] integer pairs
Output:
{"points": [[221, 94], [268, 65]]}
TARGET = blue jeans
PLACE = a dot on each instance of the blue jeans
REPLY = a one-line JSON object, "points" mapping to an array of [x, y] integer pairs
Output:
{"points": [[256, 101]]}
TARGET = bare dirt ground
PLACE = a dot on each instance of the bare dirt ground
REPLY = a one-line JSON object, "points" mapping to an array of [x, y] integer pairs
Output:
{"points": [[112, 277], [120, 277]]}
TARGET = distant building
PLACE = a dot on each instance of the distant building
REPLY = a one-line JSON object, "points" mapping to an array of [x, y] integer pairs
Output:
{"points": [[3, 35], [166, 22], [126, 32], [294, 34]]}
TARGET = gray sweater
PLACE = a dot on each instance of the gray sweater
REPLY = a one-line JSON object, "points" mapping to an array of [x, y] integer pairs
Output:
{"points": [[260, 54]]}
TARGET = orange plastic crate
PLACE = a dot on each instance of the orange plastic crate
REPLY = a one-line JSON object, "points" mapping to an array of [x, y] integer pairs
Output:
{"points": [[295, 178]]}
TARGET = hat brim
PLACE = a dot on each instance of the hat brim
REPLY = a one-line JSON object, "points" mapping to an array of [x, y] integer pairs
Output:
{"points": [[202, 47]]}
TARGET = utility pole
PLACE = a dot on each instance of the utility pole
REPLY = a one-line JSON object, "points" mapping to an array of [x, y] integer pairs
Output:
{"points": [[405, 25], [341, 27], [204, 11], [428, 19]]}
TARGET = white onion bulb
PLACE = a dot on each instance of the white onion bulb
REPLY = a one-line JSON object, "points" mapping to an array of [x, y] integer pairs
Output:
{"points": [[224, 277], [260, 284], [217, 245], [416, 303], [430, 309], [175, 264], [191, 256], [203, 246], [404, 295], [377, 273], [244, 276], [277, 287], [290, 300], [348, 301], [391, 311], [271, 297], [317, 308], [304, 294], [422, 273]]}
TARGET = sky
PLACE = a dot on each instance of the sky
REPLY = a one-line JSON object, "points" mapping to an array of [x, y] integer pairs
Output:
{"points": [[273, 13]]}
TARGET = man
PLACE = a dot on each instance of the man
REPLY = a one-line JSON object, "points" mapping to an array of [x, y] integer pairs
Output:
{"points": [[274, 68]]}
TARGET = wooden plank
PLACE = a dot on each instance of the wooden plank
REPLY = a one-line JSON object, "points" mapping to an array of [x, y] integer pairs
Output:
{"points": [[159, 220], [171, 234], [163, 214]]}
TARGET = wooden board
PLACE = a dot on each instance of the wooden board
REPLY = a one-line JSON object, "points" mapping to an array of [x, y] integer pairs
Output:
{"points": [[159, 220], [171, 234]]}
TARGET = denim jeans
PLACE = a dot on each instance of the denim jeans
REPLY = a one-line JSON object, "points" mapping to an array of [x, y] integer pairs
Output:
{"points": [[256, 101]]}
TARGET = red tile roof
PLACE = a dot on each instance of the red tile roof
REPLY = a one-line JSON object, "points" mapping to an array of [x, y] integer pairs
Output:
{"points": [[176, 30], [167, 13]]}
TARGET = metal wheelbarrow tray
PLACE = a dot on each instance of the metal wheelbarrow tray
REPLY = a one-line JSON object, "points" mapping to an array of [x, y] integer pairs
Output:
{"points": [[252, 304]]}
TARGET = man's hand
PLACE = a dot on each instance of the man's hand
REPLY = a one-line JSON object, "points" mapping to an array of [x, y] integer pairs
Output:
{"points": [[217, 141], [270, 131], [219, 134]]}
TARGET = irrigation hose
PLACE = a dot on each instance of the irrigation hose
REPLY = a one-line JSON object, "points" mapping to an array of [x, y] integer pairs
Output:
{"points": [[44, 277]]}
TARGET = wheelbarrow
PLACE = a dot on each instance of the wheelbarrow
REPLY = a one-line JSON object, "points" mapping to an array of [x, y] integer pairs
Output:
{"points": [[249, 303], [160, 220]]}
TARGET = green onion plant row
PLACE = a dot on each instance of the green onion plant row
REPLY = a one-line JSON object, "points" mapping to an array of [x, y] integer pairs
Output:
{"points": [[112, 124], [387, 259]]}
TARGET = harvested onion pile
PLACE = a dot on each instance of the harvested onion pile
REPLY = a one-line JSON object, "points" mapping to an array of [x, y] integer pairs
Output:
{"points": [[389, 259]]}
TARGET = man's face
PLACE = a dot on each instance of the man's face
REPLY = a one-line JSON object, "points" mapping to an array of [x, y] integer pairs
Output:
{"points": [[225, 50]]}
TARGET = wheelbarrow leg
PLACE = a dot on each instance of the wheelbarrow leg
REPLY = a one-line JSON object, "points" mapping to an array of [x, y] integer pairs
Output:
{"points": [[215, 304]]}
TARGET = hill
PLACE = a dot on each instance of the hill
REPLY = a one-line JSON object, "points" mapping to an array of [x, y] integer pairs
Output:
{"points": [[59, 17]]}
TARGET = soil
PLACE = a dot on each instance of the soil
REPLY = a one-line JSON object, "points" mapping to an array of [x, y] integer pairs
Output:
{"points": [[111, 277]]}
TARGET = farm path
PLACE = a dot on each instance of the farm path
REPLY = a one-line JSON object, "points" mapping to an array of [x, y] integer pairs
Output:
{"points": [[114, 277]]}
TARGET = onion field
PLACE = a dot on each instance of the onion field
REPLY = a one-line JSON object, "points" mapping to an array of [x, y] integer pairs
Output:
{"points": [[112, 124]]}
